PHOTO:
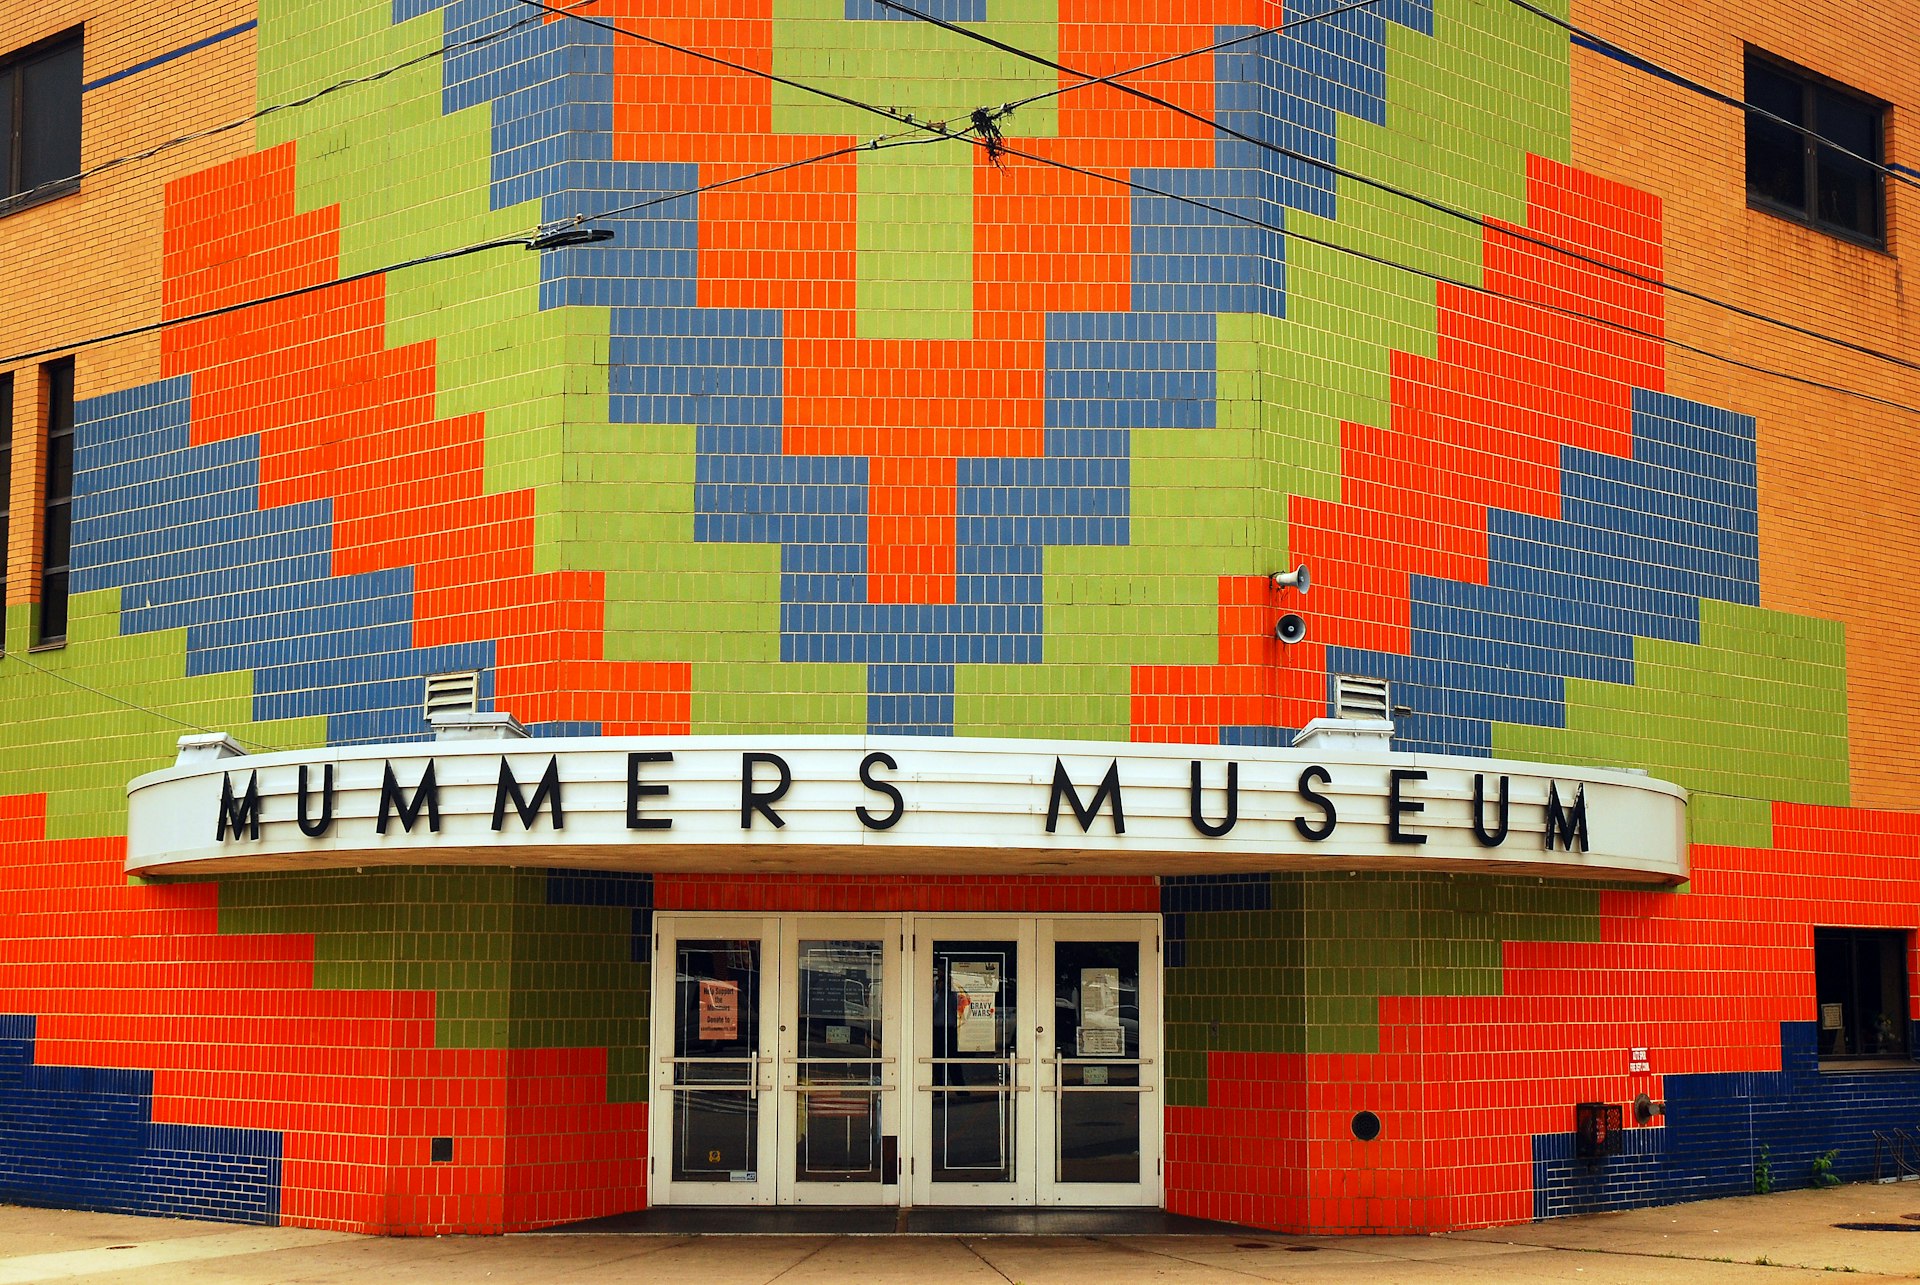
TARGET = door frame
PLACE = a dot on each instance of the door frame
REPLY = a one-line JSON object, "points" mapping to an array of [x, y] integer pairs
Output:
{"points": [[1022, 930], [661, 1061], [910, 959], [1049, 1094], [895, 1035]]}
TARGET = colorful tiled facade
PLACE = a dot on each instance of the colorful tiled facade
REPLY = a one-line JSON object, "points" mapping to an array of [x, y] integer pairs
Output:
{"points": [[923, 440]]}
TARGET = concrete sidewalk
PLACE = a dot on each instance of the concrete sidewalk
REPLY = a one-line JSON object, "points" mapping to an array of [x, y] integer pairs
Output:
{"points": [[1779, 1238]]}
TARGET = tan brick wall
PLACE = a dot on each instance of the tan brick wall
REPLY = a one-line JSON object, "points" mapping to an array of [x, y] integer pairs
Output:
{"points": [[88, 263], [1839, 476]]}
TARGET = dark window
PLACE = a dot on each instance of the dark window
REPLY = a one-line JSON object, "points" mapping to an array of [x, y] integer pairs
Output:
{"points": [[40, 121], [1812, 177], [57, 529], [6, 469], [1860, 975]]}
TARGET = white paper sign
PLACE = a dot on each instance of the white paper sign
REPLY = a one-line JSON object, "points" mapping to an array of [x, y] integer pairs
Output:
{"points": [[976, 1007], [1100, 998]]}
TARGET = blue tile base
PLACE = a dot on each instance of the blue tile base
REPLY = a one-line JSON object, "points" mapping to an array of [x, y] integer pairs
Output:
{"points": [[82, 1137], [1709, 1140]]}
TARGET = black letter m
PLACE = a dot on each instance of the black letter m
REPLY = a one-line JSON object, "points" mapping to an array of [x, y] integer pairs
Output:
{"points": [[390, 802], [548, 792], [235, 813], [1563, 825], [1063, 789]]}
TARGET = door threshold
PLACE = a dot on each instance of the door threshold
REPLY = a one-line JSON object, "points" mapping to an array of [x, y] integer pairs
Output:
{"points": [[925, 1220]]}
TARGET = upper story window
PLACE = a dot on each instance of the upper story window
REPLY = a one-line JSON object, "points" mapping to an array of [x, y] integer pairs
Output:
{"points": [[6, 474], [1810, 178], [57, 517], [1860, 975], [40, 121]]}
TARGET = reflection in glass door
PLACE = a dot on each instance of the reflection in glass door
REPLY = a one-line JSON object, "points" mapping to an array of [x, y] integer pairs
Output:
{"points": [[713, 1066], [973, 1062], [1100, 1118], [839, 1073]]}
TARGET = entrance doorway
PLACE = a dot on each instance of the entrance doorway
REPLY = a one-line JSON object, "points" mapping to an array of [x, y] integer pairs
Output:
{"points": [[977, 1060]]}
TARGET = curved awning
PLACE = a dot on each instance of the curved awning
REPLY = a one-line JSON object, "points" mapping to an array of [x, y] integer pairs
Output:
{"points": [[854, 804]]}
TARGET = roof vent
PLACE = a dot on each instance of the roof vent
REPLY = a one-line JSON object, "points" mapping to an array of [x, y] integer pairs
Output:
{"points": [[1356, 697], [452, 693]]}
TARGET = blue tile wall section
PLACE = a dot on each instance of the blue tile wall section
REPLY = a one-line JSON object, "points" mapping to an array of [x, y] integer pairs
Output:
{"points": [[177, 528], [609, 888], [1638, 543], [910, 700], [1715, 1125], [80, 1137]]}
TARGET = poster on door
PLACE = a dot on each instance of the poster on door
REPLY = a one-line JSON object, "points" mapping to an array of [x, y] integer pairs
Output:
{"points": [[976, 1006], [719, 1010], [1100, 1034]]}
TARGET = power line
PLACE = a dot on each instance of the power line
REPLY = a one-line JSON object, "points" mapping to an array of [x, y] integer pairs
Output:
{"points": [[1600, 44], [906, 138], [528, 242], [144, 709], [215, 131], [1003, 148], [1215, 47], [1440, 207], [903, 118], [549, 236], [1443, 279]]}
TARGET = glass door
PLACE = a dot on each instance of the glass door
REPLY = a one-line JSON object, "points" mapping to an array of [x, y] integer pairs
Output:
{"points": [[713, 1123], [866, 1060], [1099, 1125], [839, 1065], [975, 1023]]}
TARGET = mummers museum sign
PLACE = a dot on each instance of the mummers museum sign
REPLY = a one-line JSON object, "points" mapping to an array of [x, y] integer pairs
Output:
{"points": [[899, 805]]}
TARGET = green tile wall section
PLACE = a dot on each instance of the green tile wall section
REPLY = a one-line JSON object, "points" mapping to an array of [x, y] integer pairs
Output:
{"points": [[508, 971], [1757, 711], [79, 721], [1306, 976]]}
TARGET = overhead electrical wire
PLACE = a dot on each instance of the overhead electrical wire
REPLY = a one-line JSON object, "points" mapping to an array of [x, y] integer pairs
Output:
{"points": [[1643, 63], [1440, 207], [1442, 279], [548, 236], [1277, 29], [317, 286], [1006, 149], [943, 129], [122, 701], [906, 138]]}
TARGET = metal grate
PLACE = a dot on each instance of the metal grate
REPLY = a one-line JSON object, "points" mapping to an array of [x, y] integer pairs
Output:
{"points": [[1356, 697], [453, 693]]}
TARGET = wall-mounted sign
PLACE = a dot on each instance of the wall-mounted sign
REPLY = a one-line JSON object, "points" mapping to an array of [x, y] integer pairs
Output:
{"points": [[900, 804]]}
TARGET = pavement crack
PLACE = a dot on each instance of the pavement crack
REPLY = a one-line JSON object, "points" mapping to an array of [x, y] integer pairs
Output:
{"points": [[1191, 1262], [800, 1261], [968, 1245]]}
